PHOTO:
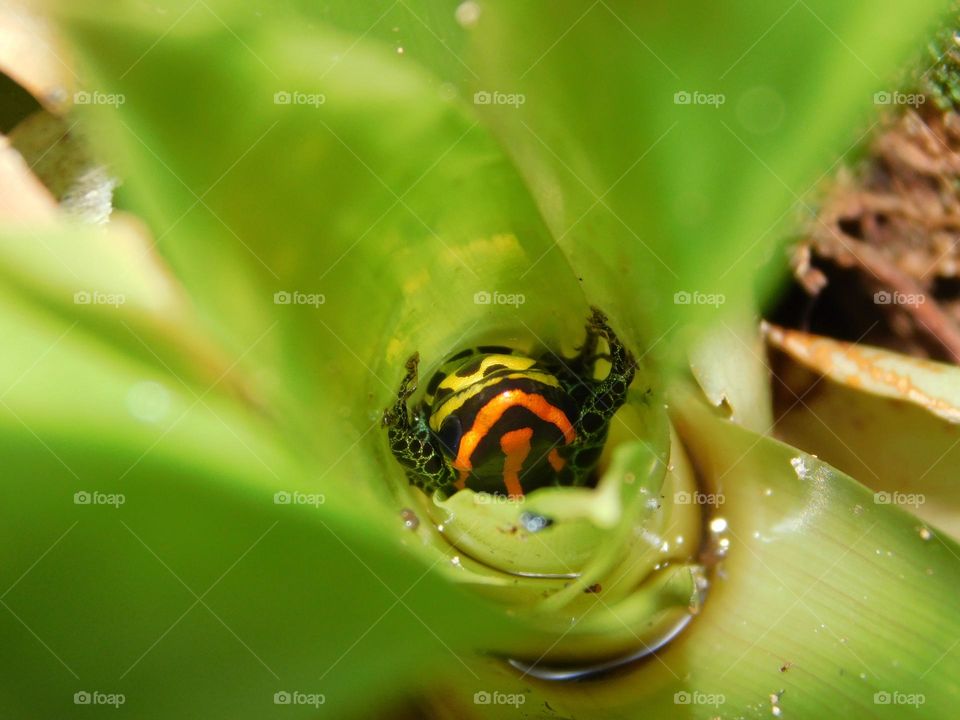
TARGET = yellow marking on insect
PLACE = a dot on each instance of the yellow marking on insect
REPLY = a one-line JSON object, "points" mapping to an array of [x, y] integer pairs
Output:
{"points": [[456, 401], [455, 383]]}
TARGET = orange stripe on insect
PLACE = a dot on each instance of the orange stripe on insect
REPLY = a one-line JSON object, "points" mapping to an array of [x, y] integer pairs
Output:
{"points": [[556, 462], [461, 482], [491, 412], [516, 446]]}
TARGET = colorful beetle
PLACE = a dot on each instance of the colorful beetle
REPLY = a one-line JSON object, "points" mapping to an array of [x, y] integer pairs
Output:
{"points": [[500, 422]]}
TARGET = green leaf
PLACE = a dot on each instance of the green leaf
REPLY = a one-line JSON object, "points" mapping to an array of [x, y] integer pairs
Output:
{"points": [[822, 603], [322, 240], [684, 198], [144, 550]]}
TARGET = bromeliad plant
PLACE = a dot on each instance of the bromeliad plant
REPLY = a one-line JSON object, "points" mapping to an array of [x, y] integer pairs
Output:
{"points": [[202, 514]]}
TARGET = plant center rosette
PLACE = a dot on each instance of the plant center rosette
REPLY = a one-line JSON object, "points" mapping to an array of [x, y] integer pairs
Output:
{"points": [[600, 576]]}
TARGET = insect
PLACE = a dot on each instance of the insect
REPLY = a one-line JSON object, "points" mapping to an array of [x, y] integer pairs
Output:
{"points": [[498, 421]]}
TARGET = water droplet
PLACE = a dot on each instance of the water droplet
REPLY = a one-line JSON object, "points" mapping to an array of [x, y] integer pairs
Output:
{"points": [[533, 523], [448, 91], [455, 560], [768, 492], [775, 703], [57, 95], [148, 401], [399, 51], [410, 519], [718, 525], [468, 13], [925, 533], [858, 509]]}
